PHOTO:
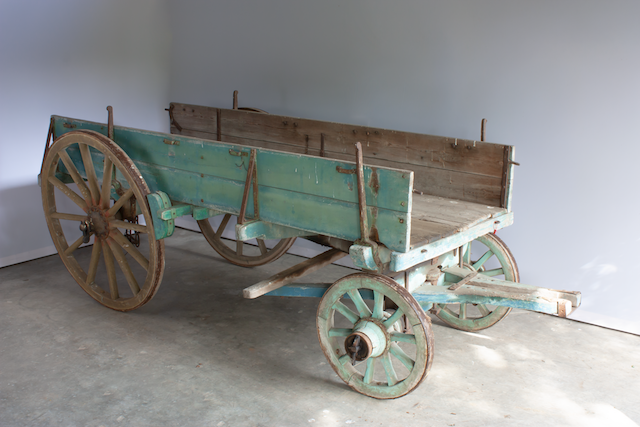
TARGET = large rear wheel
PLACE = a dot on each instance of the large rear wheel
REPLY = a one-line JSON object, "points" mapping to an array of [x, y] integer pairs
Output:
{"points": [[90, 181]]}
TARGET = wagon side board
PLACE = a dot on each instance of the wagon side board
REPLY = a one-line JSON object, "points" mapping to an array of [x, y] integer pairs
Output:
{"points": [[462, 169], [303, 192]]}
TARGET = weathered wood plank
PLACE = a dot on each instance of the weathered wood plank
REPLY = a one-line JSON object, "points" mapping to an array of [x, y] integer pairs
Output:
{"points": [[404, 147], [447, 167], [389, 189], [293, 273], [423, 251], [210, 174]]}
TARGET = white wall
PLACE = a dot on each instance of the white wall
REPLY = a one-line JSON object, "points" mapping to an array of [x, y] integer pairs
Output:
{"points": [[557, 79], [72, 58]]}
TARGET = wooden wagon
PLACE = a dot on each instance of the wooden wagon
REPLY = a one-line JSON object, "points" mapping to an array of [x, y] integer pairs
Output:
{"points": [[417, 213]]}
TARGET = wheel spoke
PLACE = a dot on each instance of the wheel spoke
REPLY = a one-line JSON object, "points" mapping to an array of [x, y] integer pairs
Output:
{"points": [[223, 225], [359, 302], [74, 246], [69, 192], [111, 272], [68, 216], [463, 311], [340, 332], [120, 202], [400, 337], [116, 223], [446, 308], [130, 248], [484, 311], [346, 312], [378, 305], [494, 272], [124, 266], [105, 194], [392, 378], [262, 246], [479, 263], [402, 356], [75, 175], [393, 319], [345, 358], [95, 259], [239, 247], [90, 171], [368, 373]]}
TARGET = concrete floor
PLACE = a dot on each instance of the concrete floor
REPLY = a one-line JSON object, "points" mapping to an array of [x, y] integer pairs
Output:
{"points": [[199, 354]]}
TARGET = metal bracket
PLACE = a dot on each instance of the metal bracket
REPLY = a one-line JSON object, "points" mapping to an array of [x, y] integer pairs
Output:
{"points": [[252, 179]]}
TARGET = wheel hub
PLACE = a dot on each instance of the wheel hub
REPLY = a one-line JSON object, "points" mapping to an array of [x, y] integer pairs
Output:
{"points": [[97, 222], [369, 339]]}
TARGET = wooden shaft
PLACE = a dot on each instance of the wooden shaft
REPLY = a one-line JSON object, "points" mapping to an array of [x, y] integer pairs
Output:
{"points": [[293, 273]]}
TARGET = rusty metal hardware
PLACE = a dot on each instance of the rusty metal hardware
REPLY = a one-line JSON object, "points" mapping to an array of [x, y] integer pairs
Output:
{"points": [[362, 196], [86, 228], [171, 142], [171, 119], [219, 124], [347, 171], [110, 122], [252, 179], [238, 153]]}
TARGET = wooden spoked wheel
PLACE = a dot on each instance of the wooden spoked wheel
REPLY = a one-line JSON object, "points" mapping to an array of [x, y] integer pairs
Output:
{"points": [[100, 169], [364, 343], [474, 317], [238, 252]]}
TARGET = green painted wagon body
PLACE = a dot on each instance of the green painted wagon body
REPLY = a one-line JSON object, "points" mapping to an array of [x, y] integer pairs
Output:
{"points": [[410, 211]]}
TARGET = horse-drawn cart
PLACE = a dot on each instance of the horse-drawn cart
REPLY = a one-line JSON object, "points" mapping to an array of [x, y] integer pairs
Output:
{"points": [[417, 213]]}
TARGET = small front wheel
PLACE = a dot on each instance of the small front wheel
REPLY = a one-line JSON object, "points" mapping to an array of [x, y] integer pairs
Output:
{"points": [[363, 342], [475, 317]]}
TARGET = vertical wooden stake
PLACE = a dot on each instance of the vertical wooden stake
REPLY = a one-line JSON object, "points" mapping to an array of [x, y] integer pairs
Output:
{"points": [[362, 197], [110, 122]]}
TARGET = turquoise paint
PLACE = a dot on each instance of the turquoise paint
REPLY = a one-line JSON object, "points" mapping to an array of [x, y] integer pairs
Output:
{"points": [[362, 257], [175, 211], [441, 295], [265, 230], [204, 173], [204, 213], [295, 172], [404, 261], [158, 202]]}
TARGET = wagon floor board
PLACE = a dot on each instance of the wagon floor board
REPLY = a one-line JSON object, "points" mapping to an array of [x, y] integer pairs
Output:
{"points": [[434, 218]]}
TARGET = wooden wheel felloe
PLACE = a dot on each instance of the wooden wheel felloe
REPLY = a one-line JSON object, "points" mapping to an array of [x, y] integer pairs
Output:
{"points": [[475, 317], [363, 342], [238, 252], [101, 171]]}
